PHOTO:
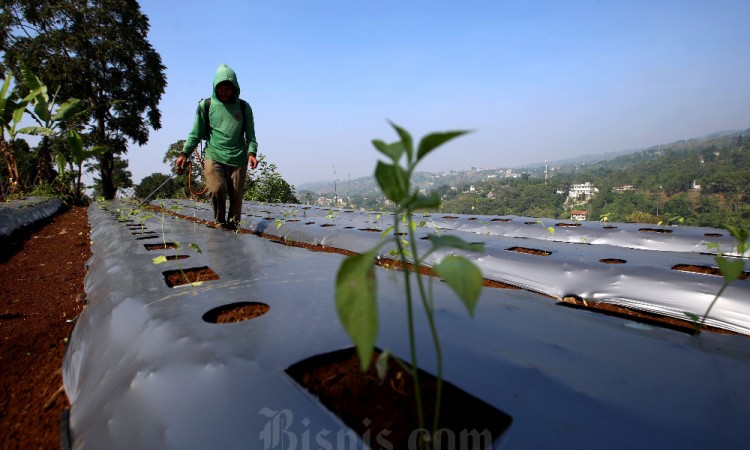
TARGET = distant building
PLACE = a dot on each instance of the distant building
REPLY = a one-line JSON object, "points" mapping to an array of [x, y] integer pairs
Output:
{"points": [[695, 186], [579, 215], [624, 188], [582, 189]]}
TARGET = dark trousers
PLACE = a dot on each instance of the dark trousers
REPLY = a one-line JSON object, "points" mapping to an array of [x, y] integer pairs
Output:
{"points": [[225, 181]]}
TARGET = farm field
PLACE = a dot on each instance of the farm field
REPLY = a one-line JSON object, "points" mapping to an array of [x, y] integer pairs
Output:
{"points": [[41, 287], [537, 351]]}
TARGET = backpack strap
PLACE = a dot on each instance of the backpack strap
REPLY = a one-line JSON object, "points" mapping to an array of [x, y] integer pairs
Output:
{"points": [[207, 121]]}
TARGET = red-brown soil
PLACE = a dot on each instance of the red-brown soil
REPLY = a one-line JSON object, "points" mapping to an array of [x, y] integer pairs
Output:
{"points": [[41, 288], [386, 409]]}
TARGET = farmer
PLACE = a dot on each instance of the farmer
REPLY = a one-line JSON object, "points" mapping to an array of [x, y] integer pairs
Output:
{"points": [[229, 130]]}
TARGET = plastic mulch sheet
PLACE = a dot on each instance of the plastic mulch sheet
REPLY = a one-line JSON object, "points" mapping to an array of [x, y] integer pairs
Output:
{"points": [[17, 214], [144, 370]]}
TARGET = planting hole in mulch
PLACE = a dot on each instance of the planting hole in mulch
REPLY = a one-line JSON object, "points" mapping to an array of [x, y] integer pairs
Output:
{"points": [[236, 312], [609, 227], [176, 257], [187, 276], [530, 223], [328, 225], [644, 317], [160, 246], [309, 223], [529, 251], [386, 412], [500, 220], [450, 217], [472, 218], [147, 237], [655, 230], [143, 233], [705, 270], [612, 261], [562, 224], [371, 230], [713, 235]]}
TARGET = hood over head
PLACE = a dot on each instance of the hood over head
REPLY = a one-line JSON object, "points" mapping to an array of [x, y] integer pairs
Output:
{"points": [[225, 73]]}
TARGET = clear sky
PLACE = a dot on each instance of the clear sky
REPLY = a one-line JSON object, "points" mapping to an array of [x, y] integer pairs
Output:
{"points": [[534, 79]]}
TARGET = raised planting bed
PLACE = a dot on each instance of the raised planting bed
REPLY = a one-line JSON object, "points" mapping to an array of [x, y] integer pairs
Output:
{"points": [[149, 366]]}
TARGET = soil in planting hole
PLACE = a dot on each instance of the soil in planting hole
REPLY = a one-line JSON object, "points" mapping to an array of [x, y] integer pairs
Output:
{"points": [[612, 261], [530, 251], [635, 315], [609, 227], [713, 235], [386, 411], [450, 217], [236, 312], [500, 220], [705, 270], [371, 230], [160, 246], [655, 230], [186, 276], [175, 257], [567, 224]]}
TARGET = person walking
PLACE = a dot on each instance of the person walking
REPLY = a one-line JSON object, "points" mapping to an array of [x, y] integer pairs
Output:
{"points": [[227, 124]]}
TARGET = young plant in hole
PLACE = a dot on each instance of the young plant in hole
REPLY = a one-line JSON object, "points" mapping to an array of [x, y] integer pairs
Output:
{"points": [[356, 286], [163, 258], [731, 270]]}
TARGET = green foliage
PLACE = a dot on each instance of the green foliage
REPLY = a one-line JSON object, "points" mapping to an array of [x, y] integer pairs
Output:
{"points": [[356, 287], [149, 183], [97, 51], [265, 184]]}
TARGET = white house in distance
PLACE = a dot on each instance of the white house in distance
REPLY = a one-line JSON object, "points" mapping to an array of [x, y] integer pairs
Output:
{"points": [[579, 215], [582, 189]]}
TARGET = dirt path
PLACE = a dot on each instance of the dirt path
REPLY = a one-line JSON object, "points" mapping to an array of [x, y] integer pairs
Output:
{"points": [[41, 288]]}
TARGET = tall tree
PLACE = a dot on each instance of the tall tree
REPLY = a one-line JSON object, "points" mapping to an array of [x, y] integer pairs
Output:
{"points": [[96, 50]]}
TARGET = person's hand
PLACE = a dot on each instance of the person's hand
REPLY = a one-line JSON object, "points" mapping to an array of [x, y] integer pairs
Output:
{"points": [[252, 161], [180, 163]]}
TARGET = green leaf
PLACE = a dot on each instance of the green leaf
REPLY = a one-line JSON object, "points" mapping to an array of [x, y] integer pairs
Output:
{"points": [[37, 131], [431, 201], [731, 268], [356, 295], [434, 140], [394, 151], [463, 277], [392, 180], [195, 247], [60, 161], [75, 141], [29, 78], [68, 109], [160, 259], [406, 141], [448, 241]]}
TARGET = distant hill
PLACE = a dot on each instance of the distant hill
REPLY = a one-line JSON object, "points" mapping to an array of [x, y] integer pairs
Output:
{"points": [[427, 180]]}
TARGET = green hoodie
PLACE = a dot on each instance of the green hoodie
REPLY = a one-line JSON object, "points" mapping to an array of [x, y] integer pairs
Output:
{"points": [[226, 143]]}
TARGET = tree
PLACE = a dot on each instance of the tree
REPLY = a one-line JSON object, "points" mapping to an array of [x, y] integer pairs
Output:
{"points": [[121, 177], [96, 50], [11, 112], [149, 184], [264, 184]]}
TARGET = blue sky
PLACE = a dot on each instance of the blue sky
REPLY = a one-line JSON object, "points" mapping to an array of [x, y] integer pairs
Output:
{"points": [[535, 80]]}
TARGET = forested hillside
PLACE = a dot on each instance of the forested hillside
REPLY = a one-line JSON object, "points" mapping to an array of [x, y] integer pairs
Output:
{"points": [[696, 182]]}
